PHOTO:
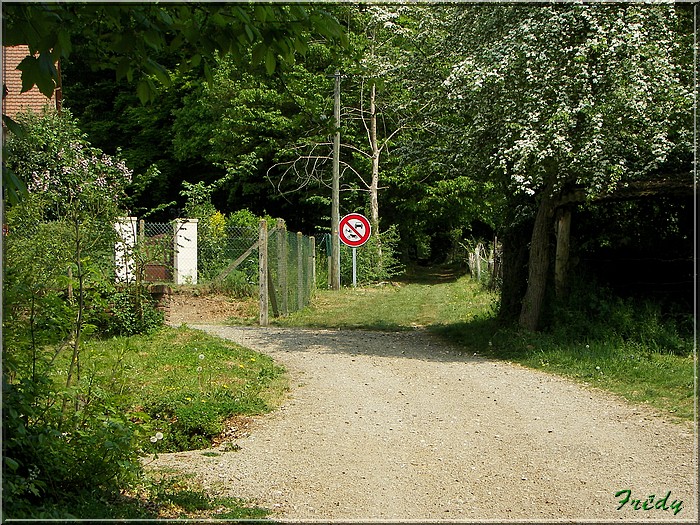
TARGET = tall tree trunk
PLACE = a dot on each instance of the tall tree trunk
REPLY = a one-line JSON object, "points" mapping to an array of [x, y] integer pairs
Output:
{"points": [[514, 270], [561, 261], [374, 186], [538, 265]]}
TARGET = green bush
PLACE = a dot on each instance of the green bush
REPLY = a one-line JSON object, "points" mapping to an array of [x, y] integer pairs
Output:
{"points": [[62, 435], [52, 452], [593, 313], [377, 259], [129, 312]]}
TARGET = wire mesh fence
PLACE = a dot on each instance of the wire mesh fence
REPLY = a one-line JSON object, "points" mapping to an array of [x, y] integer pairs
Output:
{"points": [[291, 267], [277, 265], [228, 259], [286, 271]]}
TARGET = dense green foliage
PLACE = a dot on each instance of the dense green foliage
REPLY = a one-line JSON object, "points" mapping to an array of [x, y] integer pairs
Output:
{"points": [[465, 147], [137, 399], [134, 40], [75, 420], [61, 435]]}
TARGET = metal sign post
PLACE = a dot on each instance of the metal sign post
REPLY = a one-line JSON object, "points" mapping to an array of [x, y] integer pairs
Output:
{"points": [[354, 267], [354, 230]]}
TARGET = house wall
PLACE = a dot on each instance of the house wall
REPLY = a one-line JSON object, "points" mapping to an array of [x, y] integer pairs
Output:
{"points": [[13, 100]]}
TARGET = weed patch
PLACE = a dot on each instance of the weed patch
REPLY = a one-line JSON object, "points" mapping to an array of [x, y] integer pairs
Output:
{"points": [[169, 390]]}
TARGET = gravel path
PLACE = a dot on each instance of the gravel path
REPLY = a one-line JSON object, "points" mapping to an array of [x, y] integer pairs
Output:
{"points": [[389, 426]]}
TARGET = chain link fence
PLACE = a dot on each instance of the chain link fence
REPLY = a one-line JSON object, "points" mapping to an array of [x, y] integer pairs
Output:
{"points": [[292, 270], [276, 265], [156, 252], [228, 259], [286, 270], [155, 245]]}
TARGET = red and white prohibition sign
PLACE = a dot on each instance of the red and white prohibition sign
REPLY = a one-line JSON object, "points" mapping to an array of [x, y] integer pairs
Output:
{"points": [[354, 230]]}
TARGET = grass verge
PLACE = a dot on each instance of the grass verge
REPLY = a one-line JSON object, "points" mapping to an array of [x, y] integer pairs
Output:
{"points": [[160, 496], [183, 384], [640, 362], [175, 389]]}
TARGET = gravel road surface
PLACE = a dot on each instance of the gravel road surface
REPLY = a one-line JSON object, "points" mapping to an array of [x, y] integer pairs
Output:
{"points": [[401, 426]]}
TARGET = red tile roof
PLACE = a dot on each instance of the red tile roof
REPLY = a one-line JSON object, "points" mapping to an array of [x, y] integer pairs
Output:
{"points": [[14, 101]]}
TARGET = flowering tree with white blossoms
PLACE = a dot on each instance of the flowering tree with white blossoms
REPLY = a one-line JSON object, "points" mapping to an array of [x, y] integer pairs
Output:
{"points": [[571, 102]]}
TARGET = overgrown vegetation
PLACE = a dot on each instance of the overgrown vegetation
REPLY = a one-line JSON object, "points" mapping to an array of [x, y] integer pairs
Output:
{"points": [[635, 349], [162, 495], [91, 380], [170, 390], [501, 122]]}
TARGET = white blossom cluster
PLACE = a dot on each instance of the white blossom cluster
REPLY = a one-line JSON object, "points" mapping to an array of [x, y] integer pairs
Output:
{"points": [[584, 94]]}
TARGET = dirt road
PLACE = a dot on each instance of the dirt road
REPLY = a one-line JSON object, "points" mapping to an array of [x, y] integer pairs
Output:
{"points": [[394, 426]]}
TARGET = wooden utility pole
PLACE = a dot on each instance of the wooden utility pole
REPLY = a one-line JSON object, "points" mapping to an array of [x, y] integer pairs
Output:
{"points": [[335, 206]]}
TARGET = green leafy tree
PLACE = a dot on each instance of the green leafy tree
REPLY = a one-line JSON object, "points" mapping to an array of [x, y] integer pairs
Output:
{"points": [[557, 104], [133, 39], [145, 43], [247, 121]]}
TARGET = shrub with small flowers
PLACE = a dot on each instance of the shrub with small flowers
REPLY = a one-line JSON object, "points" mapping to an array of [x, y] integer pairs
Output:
{"points": [[58, 281], [64, 174]]}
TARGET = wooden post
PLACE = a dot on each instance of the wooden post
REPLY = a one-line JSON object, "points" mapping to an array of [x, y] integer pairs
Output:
{"points": [[312, 263], [262, 272], [282, 265], [330, 263], [477, 253], [300, 271]]}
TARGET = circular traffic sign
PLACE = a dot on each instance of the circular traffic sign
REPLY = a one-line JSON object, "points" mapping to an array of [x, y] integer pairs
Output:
{"points": [[354, 230]]}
